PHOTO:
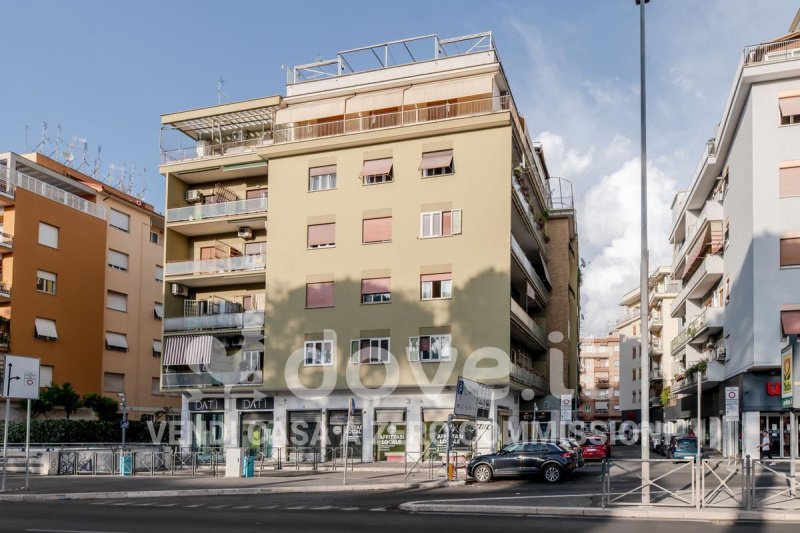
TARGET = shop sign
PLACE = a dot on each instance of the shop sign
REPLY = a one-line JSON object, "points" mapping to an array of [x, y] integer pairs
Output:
{"points": [[786, 377], [390, 440], [255, 404], [207, 404]]}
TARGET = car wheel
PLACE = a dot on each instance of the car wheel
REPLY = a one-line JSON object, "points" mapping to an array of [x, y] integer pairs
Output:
{"points": [[482, 473], [552, 473]]}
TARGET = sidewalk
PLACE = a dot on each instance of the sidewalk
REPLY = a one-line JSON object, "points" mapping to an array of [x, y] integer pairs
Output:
{"points": [[143, 486]]}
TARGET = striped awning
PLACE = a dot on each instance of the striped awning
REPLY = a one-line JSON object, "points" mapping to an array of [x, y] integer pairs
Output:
{"points": [[188, 350]]}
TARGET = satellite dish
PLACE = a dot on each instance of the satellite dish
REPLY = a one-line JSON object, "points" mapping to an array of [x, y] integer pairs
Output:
{"points": [[67, 156]]}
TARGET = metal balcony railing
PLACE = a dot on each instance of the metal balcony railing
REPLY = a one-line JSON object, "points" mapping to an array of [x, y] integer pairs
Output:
{"points": [[656, 374], [247, 320], [527, 212], [629, 315], [177, 380], [203, 149], [5, 290], [772, 52], [223, 265], [527, 266], [201, 212], [11, 179]]}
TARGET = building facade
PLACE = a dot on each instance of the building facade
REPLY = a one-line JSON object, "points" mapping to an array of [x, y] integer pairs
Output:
{"points": [[407, 219], [734, 233], [600, 380]]}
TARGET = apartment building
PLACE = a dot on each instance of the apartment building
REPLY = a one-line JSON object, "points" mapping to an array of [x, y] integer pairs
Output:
{"points": [[84, 260], [734, 235], [600, 377], [410, 230], [661, 329]]}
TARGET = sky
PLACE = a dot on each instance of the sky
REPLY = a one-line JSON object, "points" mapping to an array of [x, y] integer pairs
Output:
{"points": [[106, 71]]}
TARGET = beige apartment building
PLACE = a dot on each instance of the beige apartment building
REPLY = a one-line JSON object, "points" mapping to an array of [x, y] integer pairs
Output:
{"points": [[599, 379], [84, 260], [365, 240]]}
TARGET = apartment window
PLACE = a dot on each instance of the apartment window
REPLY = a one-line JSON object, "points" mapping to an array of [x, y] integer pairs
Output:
{"points": [[616, 363], [117, 301], [588, 364], [376, 290], [436, 163], [634, 396], [602, 393], [156, 348], [440, 223], [789, 181], [119, 220], [45, 329], [319, 295], [634, 331], [436, 286], [587, 408], [255, 248], [588, 393], [261, 192], [251, 360], [429, 348], [790, 250], [633, 371], [48, 235], [45, 281], [377, 171], [154, 238], [45, 376], [376, 230], [158, 310], [155, 387], [369, 351], [790, 109], [322, 178], [117, 342], [634, 350], [159, 273], [318, 353], [118, 260], [113, 382], [726, 234], [616, 394], [322, 235]]}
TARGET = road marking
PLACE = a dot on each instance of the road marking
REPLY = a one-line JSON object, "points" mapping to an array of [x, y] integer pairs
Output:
{"points": [[167, 505], [123, 504], [348, 508], [378, 509], [67, 531], [244, 507], [268, 507], [148, 504], [296, 508], [324, 508], [218, 506], [194, 506]]}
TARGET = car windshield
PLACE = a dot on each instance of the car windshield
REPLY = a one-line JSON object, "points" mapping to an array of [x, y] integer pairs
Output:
{"points": [[686, 445]]}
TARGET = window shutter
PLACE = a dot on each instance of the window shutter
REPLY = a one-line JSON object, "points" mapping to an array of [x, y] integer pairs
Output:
{"points": [[355, 348], [118, 260], [456, 222], [413, 349], [119, 220]]}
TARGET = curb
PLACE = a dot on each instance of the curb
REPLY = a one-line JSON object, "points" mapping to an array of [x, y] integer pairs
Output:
{"points": [[635, 513], [221, 491]]}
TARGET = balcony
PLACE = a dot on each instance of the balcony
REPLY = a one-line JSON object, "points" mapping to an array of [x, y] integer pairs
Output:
{"points": [[222, 271], [246, 320], [656, 347], [772, 52], [5, 292], [629, 316], [208, 219], [533, 237], [655, 323], [183, 380], [656, 375], [708, 322], [714, 374], [539, 289], [528, 379], [525, 322], [711, 214], [204, 150], [6, 242], [11, 179], [602, 383], [705, 277]]}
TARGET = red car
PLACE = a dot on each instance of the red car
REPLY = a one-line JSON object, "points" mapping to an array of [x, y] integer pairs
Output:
{"points": [[596, 446]]}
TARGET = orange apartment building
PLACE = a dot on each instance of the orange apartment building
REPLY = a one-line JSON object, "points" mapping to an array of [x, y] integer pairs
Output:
{"points": [[599, 393]]}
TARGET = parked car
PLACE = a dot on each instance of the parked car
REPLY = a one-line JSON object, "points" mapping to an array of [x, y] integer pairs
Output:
{"points": [[684, 448], [548, 459], [596, 446], [570, 445]]}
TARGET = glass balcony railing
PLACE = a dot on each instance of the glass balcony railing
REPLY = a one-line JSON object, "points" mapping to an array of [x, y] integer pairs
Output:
{"points": [[534, 278], [178, 380], [242, 263], [247, 320], [202, 212], [535, 329], [528, 214], [526, 377]]}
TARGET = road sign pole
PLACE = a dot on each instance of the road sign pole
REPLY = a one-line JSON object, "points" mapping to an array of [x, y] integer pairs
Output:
{"points": [[5, 443], [28, 445]]}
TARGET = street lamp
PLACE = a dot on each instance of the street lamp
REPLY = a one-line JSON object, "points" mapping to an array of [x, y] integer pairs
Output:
{"points": [[124, 422]]}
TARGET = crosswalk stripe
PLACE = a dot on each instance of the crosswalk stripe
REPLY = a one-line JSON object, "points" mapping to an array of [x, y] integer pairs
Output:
{"points": [[218, 506], [268, 507], [244, 507], [296, 508], [378, 509], [324, 508]]}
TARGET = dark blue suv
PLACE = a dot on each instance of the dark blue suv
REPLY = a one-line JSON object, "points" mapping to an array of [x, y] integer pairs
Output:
{"points": [[524, 458]]}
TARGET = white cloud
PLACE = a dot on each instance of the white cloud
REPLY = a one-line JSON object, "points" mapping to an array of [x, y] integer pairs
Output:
{"points": [[564, 162], [619, 147]]}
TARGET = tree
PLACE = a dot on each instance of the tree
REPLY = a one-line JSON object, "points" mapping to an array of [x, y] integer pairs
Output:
{"points": [[48, 398], [105, 408], [69, 399]]}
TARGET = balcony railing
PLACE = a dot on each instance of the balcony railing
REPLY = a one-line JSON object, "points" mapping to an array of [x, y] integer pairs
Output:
{"points": [[218, 210], [629, 315], [772, 52], [242, 263], [6, 240], [5, 290], [247, 320], [285, 133], [693, 327], [656, 346], [526, 319], [179, 380], [534, 278], [656, 322], [528, 214], [203, 150], [526, 377], [11, 179], [656, 374]]}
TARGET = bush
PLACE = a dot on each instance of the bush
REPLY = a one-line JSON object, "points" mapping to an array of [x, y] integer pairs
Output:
{"points": [[72, 431], [105, 408]]}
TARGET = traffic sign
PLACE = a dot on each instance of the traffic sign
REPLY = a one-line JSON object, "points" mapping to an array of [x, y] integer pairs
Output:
{"points": [[731, 404], [21, 377], [566, 407]]}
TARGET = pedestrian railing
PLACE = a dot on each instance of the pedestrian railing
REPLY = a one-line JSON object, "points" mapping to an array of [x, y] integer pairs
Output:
{"points": [[722, 483], [204, 462], [773, 485], [668, 483]]}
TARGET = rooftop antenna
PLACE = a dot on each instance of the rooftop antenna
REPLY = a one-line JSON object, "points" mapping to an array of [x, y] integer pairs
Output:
{"points": [[97, 163], [59, 140], [43, 140], [220, 93], [26, 137], [84, 154], [143, 191]]}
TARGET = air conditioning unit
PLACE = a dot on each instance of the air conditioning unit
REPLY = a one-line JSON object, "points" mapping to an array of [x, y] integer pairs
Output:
{"points": [[245, 233], [720, 354], [180, 290], [194, 196]]}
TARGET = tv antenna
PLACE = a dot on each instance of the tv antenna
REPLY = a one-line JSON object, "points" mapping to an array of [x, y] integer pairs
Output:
{"points": [[59, 140], [98, 162], [220, 93], [43, 140]]}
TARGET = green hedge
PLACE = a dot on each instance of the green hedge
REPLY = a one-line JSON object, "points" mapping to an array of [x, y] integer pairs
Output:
{"points": [[70, 431]]}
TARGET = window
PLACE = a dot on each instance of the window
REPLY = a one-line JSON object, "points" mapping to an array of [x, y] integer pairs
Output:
{"points": [[319, 295], [602, 393], [616, 363], [790, 109], [158, 310], [155, 387], [376, 230], [726, 234], [255, 248], [154, 238], [322, 178], [254, 194], [113, 382], [429, 348], [377, 171], [118, 260], [633, 371], [369, 351], [318, 353], [48, 235], [376, 290], [587, 408], [790, 250], [633, 350], [436, 163], [159, 273], [45, 329], [588, 364], [156, 348], [634, 396], [436, 286], [634, 331], [616, 394], [45, 282], [251, 361], [117, 342], [119, 220], [322, 235], [45, 376], [440, 223], [789, 181], [117, 301]]}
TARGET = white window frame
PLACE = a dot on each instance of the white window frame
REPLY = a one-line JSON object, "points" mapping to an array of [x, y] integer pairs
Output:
{"points": [[158, 347], [157, 236], [445, 289], [115, 213], [45, 375], [377, 354], [50, 235], [329, 180], [378, 179], [414, 354], [49, 280], [253, 359], [434, 227], [439, 171], [318, 353]]}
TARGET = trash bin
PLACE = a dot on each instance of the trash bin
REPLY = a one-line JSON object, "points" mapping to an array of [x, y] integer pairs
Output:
{"points": [[126, 464], [248, 465]]}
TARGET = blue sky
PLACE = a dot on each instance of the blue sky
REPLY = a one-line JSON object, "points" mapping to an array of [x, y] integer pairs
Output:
{"points": [[106, 70]]}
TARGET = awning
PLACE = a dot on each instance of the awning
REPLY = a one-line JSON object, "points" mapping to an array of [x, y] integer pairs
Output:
{"points": [[116, 340], [157, 346], [375, 100], [432, 160], [376, 167], [790, 322], [188, 350], [376, 285], [321, 171], [789, 105], [789, 178], [601, 405], [321, 234], [158, 309], [447, 90], [310, 111], [437, 277], [46, 328]]}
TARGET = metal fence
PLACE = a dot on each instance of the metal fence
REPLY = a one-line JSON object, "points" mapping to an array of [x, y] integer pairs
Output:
{"points": [[210, 462]]}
